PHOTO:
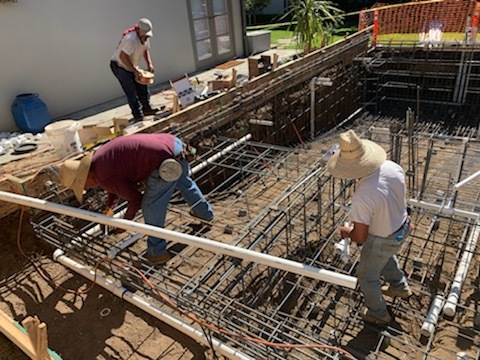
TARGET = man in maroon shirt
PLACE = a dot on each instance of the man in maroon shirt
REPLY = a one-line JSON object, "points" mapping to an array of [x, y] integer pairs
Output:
{"points": [[118, 166]]}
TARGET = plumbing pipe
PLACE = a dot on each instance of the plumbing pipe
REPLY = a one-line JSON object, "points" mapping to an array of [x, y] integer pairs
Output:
{"points": [[430, 322], [211, 159], [206, 244], [150, 308], [468, 179], [452, 300], [312, 107], [316, 81], [444, 210], [260, 122]]}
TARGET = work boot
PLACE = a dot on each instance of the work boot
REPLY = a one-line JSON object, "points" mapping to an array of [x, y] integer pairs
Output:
{"points": [[382, 319], [158, 259], [152, 111], [403, 293], [192, 213]]}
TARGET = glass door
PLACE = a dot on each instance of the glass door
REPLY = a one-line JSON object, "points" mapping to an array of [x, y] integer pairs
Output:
{"points": [[212, 31]]}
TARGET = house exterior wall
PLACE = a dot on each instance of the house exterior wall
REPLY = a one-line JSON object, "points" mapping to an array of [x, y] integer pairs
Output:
{"points": [[61, 49]]}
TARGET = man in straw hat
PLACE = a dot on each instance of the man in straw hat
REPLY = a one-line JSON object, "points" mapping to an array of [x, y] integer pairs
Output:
{"points": [[159, 161], [380, 220], [132, 48]]}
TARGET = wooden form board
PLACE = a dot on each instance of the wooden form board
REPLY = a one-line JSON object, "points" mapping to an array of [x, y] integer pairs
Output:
{"points": [[312, 64], [32, 339]]}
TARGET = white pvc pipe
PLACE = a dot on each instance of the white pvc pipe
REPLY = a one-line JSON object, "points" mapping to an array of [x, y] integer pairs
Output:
{"points": [[260, 122], [468, 179], [452, 300], [206, 244], [211, 159], [444, 210], [430, 322], [312, 107], [150, 308]]}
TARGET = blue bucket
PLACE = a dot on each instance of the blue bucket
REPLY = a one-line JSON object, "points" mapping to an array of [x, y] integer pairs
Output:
{"points": [[30, 113]]}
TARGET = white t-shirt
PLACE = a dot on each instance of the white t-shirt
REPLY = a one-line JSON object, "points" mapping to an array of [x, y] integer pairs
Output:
{"points": [[133, 47], [379, 200]]}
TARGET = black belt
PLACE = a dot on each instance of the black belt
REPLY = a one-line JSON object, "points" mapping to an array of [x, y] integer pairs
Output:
{"points": [[400, 228]]}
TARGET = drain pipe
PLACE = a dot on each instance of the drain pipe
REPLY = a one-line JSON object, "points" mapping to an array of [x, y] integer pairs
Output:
{"points": [[451, 302], [195, 241], [211, 159], [430, 322], [150, 308], [450, 306], [314, 82]]}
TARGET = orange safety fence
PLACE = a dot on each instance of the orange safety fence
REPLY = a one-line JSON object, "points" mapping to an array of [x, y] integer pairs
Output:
{"points": [[426, 19]]}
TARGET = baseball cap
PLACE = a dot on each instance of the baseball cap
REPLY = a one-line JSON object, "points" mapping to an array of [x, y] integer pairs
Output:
{"points": [[145, 26]]}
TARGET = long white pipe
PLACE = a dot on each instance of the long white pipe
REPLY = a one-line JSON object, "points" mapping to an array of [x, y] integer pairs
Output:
{"points": [[464, 181], [206, 244], [220, 154], [150, 308], [451, 303], [444, 210], [430, 322], [312, 107], [452, 300]]}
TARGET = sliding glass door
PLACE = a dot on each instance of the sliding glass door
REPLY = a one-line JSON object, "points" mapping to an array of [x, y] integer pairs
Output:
{"points": [[212, 31]]}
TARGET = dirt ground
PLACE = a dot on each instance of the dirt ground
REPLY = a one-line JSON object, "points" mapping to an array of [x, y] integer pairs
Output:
{"points": [[94, 325]]}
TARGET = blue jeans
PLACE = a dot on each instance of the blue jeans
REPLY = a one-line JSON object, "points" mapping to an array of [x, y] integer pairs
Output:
{"points": [[158, 194], [377, 258], [138, 95]]}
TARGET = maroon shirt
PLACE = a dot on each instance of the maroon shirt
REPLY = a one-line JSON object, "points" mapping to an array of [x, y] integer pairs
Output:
{"points": [[128, 160]]}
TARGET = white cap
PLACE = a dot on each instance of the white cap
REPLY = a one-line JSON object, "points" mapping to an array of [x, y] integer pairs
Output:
{"points": [[145, 26]]}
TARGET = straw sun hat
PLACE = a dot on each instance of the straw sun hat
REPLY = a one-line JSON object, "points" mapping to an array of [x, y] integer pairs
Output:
{"points": [[356, 157], [74, 173]]}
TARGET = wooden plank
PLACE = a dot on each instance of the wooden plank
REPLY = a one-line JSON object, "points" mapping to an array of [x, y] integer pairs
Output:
{"points": [[42, 342], [304, 69], [18, 335], [11, 330], [30, 324]]}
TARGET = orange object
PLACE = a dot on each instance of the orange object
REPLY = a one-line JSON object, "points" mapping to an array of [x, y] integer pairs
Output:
{"points": [[475, 20], [375, 28], [146, 78]]}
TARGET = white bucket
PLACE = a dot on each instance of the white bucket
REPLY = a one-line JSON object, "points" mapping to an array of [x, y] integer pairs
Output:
{"points": [[63, 136]]}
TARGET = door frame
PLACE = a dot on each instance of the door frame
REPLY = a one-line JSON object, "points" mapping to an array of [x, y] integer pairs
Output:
{"points": [[216, 58]]}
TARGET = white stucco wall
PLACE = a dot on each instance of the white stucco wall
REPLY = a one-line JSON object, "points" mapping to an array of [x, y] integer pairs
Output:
{"points": [[61, 49]]}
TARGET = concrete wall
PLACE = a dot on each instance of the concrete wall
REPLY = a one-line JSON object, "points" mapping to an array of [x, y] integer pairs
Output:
{"points": [[61, 49]]}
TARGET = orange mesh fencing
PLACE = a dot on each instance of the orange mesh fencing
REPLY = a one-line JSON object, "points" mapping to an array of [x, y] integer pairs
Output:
{"points": [[422, 17]]}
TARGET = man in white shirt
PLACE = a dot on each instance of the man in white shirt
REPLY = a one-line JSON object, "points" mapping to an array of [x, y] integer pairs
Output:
{"points": [[379, 217], [132, 48]]}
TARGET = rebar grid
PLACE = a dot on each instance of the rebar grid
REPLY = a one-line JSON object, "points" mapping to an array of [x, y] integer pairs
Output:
{"points": [[281, 201]]}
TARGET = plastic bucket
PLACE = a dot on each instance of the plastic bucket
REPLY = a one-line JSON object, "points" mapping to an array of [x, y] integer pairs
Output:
{"points": [[30, 113], [63, 136]]}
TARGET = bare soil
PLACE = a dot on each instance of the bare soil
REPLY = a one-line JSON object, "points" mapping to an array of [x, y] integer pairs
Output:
{"points": [[92, 325]]}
